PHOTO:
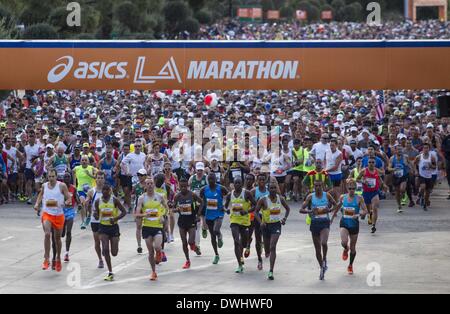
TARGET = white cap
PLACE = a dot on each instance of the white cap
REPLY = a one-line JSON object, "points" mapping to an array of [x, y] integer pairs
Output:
{"points": [[78, 133], [142, 172], [401, 136], [430, 125], [117, 135], [340, 117], [365, 131], [190, 115], [199, 166], [353, 129], [50, 146], [181, 121]]}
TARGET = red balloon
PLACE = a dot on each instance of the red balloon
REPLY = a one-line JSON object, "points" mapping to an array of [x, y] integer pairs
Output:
{"points": [[208, 100], [169, 92]]}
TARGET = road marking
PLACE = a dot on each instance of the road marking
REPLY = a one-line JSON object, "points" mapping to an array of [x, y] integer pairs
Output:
{"points": [[8, 238], [92, 284]]}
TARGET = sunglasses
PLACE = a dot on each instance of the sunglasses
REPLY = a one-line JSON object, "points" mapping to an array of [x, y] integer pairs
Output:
{"points": [[351, 189], [371, 162]]}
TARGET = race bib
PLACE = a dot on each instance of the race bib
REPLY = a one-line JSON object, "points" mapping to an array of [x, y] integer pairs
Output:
{"points": [[185, 209], [236, 208], [86, 187], [152, 214], [275, 214], [218, 176], [51, 204], [349, 212], [371, 183], [322, 212], [398, 172], [211, 204], [236, 174], [107, 214]]}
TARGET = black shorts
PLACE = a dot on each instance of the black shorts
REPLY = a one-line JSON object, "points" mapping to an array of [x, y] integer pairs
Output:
{"points": [[187, 222], [151, 232], [296, 173], [317, 226], [12, 178], [272, 228], [111, 231], [427, 181], [351, 230], [95, 226], [397, 181], [125, 181], [29, 174], [280, 180], [241, 227]]}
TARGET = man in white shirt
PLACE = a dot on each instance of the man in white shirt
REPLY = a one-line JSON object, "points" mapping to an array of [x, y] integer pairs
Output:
{"points": [[133, 162], [12, 166], [319, 149], [31, 152]]}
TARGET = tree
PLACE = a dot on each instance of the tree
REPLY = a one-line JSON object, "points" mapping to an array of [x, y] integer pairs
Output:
{"points": [[287, 12], [196, 5], [190, 25], [7, 29], [128, 14], [106, 16], [175, 11], [40, 31], [203, 16]]}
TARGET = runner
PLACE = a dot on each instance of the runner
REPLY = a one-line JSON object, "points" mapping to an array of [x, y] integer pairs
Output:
{"points": [[53, 197], [319, 204], [334, 168], [109, 211], [60, 163], [239, 203], [259, 192], [138, 190], [270, 221], [400, 167], [152, 208], [184, 205], [171, 182], [84, 176], [69, 214], [426, 164], [92, 196], [196, 183], [213, 211], [352, 207], [371, 180]]}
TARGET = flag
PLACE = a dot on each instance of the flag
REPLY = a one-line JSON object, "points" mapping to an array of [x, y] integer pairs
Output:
{"points": [[380, 105]]}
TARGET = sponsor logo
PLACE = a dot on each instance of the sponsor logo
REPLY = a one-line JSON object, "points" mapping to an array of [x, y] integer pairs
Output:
{"points": [[85, 70], [168, 72]]}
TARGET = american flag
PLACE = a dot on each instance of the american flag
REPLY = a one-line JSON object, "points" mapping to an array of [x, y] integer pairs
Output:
{"points": [[380, 105]]}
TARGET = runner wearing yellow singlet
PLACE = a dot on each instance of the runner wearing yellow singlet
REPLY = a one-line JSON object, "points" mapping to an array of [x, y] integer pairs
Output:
{"points": [[152, 208], [109, 210], [84, 177]]}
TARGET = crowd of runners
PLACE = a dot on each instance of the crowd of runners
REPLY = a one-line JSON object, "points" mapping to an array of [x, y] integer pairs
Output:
{"points": [[98, 156]]}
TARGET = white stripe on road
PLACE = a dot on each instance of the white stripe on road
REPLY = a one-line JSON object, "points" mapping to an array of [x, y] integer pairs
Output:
{"points": [[6, 239]]}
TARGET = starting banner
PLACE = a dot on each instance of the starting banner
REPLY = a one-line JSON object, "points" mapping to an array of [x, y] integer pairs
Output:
{"points": [[220, 65]]}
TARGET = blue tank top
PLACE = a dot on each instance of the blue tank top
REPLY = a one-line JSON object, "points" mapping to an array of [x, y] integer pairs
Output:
{"points": [[322, 205], [74, 162], [259, 194], [213, 203], [108, 169], [349, 209], [401, 169]]}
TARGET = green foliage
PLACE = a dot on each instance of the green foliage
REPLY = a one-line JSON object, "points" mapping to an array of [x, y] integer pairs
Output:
{"points": [[190, 25], [40, 31], [203, 17], [287, 12], [128, 14]]}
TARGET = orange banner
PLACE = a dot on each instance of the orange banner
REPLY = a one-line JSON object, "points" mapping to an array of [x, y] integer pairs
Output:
{"points": [[225, 65]]}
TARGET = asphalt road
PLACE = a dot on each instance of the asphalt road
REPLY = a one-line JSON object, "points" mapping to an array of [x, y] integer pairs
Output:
{"points": [[410, 253]]}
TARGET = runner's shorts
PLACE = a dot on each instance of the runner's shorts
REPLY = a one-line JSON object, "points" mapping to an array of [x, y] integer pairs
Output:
{"points": [[56, 221]]}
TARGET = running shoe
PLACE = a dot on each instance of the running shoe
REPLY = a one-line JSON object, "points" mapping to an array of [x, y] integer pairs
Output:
{"points": [[187, 265], [345, 255], [247, 252], [260, 265], [322, 274], [109, 277], [100, 265], [399, 210], [325, 266], [216, 260], [66, 258], [139, 250], [53, 265], [83, 226], [220, 242], [58, 266], [350, 269], [270, 276], [29, 201], [404, 200], [88, 221], [197, 250], [154, 276], [239, 270], [171, 239], [158, 257], [204, 233], [163, 257], [45, 264], [374, 229]]}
